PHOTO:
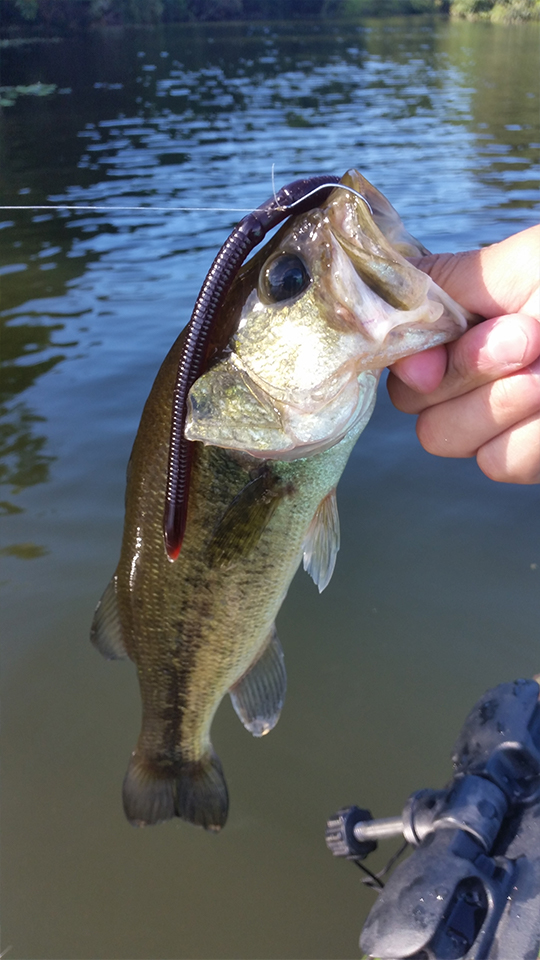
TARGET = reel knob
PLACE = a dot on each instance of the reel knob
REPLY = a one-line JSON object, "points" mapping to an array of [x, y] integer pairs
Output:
{"points": [[340, 838]]}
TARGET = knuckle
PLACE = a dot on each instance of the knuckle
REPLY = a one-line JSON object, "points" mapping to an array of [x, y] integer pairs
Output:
{"points": [[500, 398]]}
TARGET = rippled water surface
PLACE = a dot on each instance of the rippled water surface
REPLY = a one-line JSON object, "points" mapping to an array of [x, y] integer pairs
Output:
{"points": [[435, 596]]}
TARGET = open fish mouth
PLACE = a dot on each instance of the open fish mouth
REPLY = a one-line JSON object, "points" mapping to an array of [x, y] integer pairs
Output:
{"points": [[327, 305]]}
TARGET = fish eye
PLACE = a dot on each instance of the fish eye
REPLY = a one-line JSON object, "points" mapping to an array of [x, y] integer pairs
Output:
{"points": [[284, 278]]}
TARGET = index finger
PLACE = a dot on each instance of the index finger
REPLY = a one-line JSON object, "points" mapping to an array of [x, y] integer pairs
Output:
{"points": [[498, 280]]}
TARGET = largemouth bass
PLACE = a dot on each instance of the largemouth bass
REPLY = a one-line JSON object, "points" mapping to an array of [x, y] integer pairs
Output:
{"points": [[308, 325]]}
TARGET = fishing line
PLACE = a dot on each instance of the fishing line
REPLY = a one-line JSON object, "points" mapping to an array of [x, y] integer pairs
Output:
{"points": [[335, 186], [98, 208], [373, 880], [65, 206]]}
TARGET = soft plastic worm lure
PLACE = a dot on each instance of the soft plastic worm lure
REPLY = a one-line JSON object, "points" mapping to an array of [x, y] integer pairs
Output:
{"points": [[297, 197]]}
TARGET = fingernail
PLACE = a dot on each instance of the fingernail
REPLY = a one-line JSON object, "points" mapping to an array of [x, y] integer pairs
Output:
{"points": [[507, 343]]}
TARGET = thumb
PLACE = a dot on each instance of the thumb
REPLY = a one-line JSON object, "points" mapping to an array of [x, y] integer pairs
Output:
{"points": [[497, 280]]}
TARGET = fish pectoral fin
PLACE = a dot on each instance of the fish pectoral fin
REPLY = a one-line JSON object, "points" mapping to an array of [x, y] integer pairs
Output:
{"points": [[322, 542], [259, 695], [196, 791], [242, 524], [106, 632]]}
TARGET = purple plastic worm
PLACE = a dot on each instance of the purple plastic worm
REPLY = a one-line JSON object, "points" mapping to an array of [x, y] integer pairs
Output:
{"points": [[296, 197]]}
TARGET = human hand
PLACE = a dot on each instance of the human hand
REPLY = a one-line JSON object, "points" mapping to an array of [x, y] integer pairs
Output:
{"points": [[480, 396]]}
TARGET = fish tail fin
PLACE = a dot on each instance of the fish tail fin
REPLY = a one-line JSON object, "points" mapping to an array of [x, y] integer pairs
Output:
{"points": [[201, 793], [195, 791]]}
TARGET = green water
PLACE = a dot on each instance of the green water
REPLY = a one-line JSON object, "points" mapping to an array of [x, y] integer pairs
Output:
{"points": [[435, 595]]}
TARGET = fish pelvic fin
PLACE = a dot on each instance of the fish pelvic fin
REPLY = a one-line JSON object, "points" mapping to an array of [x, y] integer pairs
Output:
{"points": [[259, 695], [106, 631], [322, 542], [194, 791]]}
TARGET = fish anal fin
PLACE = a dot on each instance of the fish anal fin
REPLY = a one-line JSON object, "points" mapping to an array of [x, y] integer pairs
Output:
{"points": [[322, 542], [194, 791], [259, 695], [106, 632], [244, 521]]}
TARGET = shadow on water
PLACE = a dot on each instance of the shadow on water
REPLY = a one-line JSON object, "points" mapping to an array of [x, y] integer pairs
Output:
{"points": [[435, 596]]}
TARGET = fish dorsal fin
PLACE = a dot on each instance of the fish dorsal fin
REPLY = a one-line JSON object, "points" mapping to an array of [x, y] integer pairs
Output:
{"points": [[242, 524], [259, 695], [322, 542], [106, 630]]}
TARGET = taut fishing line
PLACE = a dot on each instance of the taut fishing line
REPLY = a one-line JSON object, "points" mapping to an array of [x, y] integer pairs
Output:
{"points": [[66, 206], [105, 208]]}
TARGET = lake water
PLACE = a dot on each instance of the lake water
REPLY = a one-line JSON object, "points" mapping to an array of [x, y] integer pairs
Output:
{"points": [[436, 593]]}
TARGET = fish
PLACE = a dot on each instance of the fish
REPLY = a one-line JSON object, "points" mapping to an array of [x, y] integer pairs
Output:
{"points": [[290, 382]]}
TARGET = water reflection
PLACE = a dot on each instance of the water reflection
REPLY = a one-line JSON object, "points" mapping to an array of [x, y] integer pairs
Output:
{"points": [[32, 346], [23, 460]]}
